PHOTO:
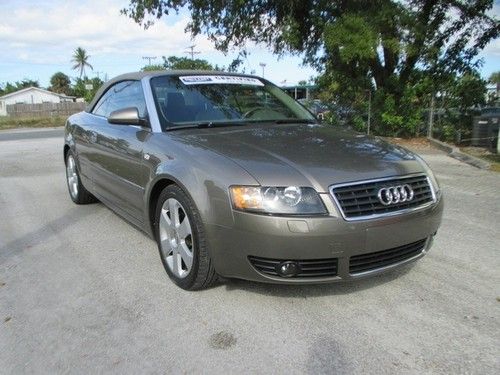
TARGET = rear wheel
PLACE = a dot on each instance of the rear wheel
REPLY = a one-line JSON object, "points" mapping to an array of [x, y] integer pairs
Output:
{"points": [[77, 191], [181, 241]]}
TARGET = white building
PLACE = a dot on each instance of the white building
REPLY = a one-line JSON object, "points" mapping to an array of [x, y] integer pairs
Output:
{"points": [[31, 95]]}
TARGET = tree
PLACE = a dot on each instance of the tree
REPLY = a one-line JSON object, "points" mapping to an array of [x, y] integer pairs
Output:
{"points": [[459, 100], [152, 68], [237, 62], [18, 85], [468, 91], [495, 79], [80, 91], [185, 63], [180, 63], [26, 82], [60, 83], [81, 60], [384, 46]]}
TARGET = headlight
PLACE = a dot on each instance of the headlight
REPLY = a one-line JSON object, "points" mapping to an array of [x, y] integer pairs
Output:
{"points": [[430, 174], [291, 200]]}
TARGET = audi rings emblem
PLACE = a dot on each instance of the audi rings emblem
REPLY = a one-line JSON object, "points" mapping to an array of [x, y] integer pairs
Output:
{"points": [[395, 194]]}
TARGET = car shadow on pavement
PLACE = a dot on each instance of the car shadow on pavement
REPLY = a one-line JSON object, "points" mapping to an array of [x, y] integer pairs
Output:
{"points": [[316, 290], [44, 232]]}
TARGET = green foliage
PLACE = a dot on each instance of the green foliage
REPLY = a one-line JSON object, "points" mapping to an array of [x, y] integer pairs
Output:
{"points": [[180, 63], [81, 61], [352, 37], [468, 91], [184, 63], [8, 87], [237, 62], [60, 83], [495, 77], [37, 122], [152, 68], [460, 101], [80, 91], [401, 51]]}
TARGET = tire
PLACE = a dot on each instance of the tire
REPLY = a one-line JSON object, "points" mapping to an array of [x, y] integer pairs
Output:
{"points": [[183, 250], [77, 191]]}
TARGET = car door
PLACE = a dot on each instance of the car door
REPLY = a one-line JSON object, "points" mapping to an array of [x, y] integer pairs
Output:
{"points": [[119, 173], [85, 136]]}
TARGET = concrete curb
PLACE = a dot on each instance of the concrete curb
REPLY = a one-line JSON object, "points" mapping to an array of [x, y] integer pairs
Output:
{"points": [[455, 153], [30, 130], [19, 134]]}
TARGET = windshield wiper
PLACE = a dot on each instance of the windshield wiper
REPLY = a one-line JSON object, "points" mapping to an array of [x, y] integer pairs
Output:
{"points": [[214, 124], [205, 124], [295, 121]]}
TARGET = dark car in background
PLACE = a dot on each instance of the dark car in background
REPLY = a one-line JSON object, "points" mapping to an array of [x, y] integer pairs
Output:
{"points": [[232, 177]]}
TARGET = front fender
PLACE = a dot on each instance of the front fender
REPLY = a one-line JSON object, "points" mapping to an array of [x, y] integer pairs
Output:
{"points": [[203, 175]]}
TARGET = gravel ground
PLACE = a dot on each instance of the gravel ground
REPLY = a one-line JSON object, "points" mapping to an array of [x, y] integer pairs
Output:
{"points": [[82, 291]]}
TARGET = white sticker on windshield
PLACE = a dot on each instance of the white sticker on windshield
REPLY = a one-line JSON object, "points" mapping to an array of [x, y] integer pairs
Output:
{"points": [[211, 80]]}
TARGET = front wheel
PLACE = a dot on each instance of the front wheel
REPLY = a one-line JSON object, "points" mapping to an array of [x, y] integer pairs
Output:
{"points": [[77, 191], [181, 241]]}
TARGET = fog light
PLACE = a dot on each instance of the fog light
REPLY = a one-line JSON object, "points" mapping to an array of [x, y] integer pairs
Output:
{"points": [[288, 269]]}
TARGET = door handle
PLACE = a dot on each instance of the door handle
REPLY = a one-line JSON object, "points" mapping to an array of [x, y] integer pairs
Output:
{"points": [[93, 137]]}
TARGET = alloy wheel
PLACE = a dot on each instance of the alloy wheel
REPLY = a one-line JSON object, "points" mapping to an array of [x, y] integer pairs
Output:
{"points": [[176, 238], [72, 176]]}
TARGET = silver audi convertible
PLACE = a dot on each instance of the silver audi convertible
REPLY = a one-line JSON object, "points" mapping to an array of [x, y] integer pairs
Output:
{"points": [[234, 178]]}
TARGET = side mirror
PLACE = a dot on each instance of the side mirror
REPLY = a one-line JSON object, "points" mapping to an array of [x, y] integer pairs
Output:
{"points": [[126, 116]]}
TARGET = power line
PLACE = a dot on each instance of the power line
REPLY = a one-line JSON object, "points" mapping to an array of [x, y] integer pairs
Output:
{"points": [[149, 58], [192, 52]]}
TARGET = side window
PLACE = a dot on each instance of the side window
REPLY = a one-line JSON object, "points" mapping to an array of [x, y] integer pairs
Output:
{"points": [[122, 95], [100, 107]]}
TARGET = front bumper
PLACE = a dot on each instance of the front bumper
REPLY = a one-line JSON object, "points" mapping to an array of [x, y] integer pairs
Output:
{"points": [[285, 238]]}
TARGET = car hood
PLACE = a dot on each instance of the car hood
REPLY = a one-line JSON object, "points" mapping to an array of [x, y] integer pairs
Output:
{"points": [[306, 154]]}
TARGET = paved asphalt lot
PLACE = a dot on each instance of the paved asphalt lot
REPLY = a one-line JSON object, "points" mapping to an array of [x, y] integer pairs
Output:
{"points": [[82, 291]]}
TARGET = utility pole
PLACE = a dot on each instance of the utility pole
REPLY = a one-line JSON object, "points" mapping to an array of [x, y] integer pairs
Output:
{"points": [[192, 52], [149, 58], [369, 111], [431, 118], [263, 65]]}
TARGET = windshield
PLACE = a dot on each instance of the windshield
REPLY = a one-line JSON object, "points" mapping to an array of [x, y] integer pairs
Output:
{"points": [[192, 100]]}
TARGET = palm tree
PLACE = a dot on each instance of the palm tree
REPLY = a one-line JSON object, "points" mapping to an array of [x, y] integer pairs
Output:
{"points": [[81, 60]]}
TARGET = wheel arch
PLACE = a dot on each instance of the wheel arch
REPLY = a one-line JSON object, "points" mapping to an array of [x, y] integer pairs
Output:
{"points": [[65, 152], [154, 193], [156, 190]]}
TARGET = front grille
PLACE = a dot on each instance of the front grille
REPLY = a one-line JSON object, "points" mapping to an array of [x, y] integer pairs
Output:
{"points": [[359, 200], [379, 259], [307, 268]]}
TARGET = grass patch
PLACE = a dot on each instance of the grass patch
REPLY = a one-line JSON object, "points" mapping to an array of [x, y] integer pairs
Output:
{"points": [[40, 122]]}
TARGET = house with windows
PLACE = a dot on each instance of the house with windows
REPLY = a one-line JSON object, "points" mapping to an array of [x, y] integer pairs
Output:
{"points": [[32, 95]]}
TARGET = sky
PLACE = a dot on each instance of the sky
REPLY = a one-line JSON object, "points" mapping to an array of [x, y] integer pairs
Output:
{"points": [[38, 38]]}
